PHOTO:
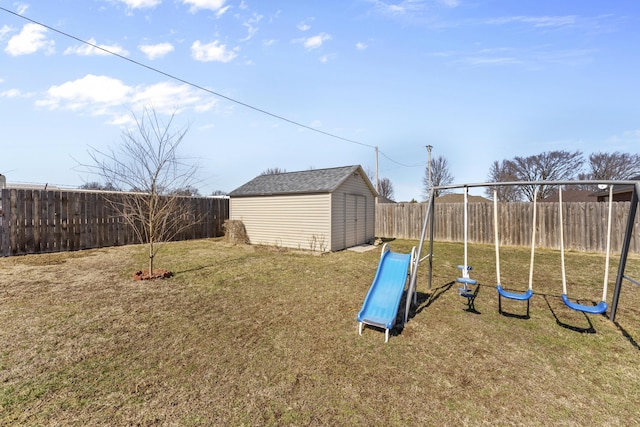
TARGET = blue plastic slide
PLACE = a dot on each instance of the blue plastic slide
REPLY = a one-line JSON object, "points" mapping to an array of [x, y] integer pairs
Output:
{"points": [[381, 304]]}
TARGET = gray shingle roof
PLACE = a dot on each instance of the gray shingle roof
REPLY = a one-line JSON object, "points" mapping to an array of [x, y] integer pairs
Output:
{"points": [[310, 181]]}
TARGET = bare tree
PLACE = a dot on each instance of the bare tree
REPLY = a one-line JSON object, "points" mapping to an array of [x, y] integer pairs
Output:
{"points": [[147, 161], [440, 175], [273, 171], [502, 172], [386, 188], [617, 165], [548, 166], [188, 191], [94, 185]]}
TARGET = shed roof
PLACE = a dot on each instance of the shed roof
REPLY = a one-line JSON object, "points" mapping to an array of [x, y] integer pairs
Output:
{"points": [[303, 182]]}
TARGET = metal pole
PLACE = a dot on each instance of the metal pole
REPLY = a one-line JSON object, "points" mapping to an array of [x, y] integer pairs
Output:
{"points": [[432, 210], [413, 280], [624, 252], [377, 182], [429, 148]]}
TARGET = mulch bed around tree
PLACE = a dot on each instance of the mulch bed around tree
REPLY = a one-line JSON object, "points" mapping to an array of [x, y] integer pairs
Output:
{"points": [[157, 274]]}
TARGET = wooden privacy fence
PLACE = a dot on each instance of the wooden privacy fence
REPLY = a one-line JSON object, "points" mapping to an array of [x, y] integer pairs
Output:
{"points": [[37, 221], [585, 224]]}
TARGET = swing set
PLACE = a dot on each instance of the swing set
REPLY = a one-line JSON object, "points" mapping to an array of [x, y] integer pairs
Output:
{"points": [[466, 290]]}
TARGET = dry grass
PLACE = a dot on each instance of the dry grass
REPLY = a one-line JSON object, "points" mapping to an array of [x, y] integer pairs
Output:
{"points": [[247, 335]]}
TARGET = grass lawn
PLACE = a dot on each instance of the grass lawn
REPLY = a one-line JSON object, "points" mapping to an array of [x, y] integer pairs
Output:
{"points": [[246, 335]]}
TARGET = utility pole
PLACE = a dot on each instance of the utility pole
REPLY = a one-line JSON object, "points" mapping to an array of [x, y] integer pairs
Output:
{"points": [[377, 182]]}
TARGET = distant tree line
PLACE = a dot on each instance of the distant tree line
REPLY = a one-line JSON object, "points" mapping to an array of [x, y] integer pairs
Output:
{"points": [[558, 165]]}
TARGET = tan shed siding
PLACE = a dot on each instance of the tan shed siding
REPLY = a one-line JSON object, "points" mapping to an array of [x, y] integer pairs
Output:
{"points": [[343, 202], [289, 221]]}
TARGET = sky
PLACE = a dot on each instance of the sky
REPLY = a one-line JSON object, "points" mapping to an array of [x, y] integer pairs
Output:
{"points": [[300, 84]]}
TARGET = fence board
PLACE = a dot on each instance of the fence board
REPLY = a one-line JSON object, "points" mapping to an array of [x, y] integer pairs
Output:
{"points": [[585, 223], [38, 221]]}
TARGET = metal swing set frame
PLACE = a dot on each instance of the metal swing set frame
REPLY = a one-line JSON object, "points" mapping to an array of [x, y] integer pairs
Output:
{"points": [[428, 227]]}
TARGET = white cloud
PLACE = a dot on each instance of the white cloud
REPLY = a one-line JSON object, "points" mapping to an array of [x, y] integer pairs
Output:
{"points": [[31, 39], [316, 41], [531, 59], [268, 43], [141, 4], [410, 8], [4, 31], [222, 11], [106, 96], [155, 51], [399, 8], [537, 21], [251, 25], [361, 46], [91, 90], [15, 93], [326, 58], [305, 25], [11, 93], [213, 5], [21, 8], [166, 97], [88, 50], [214, 51]]}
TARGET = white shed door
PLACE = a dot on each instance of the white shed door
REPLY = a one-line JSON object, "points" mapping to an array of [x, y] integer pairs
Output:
{"points": [[355, 220]]}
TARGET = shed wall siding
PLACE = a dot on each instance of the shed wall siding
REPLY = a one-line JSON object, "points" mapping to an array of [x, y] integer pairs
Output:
{"points": [[353, 199], [295, 221]]}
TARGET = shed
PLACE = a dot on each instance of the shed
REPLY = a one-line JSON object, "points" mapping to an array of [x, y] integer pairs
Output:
{"points": [[318, 209]]}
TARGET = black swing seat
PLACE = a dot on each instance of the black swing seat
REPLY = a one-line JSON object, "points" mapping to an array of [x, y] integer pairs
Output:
{"points": [[590, 309], [514, 295]]}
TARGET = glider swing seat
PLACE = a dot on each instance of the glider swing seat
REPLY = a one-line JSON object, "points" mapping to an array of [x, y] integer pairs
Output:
{"points": [[468, 289], [502, 293], [602, 306]]}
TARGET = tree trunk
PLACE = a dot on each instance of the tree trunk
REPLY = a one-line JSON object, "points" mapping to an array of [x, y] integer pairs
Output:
{"points": [[150, 257]]}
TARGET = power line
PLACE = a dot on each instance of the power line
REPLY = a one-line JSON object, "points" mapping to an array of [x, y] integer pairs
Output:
{"points": [[401, 164], [194, 85]]}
